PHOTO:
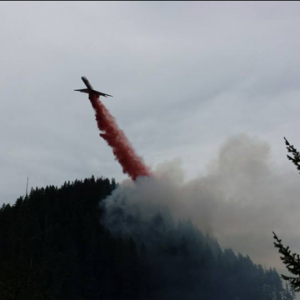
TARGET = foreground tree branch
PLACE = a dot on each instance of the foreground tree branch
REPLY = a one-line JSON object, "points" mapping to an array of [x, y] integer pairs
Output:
{"points": [[291, 261]]}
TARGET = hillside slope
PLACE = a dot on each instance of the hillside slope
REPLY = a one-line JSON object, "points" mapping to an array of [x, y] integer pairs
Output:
{"points": [[53, 246]]}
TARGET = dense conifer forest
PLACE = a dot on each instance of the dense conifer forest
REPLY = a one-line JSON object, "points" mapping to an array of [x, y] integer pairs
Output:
{"points": [[54, 246]]}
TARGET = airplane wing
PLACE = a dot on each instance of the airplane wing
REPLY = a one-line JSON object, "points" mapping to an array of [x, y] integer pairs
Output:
{"points": [[83, 90], [101, 94], [88, 91]]}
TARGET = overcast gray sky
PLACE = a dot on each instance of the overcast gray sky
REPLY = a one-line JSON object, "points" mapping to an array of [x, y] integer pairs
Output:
{"points": [[185, 77]]}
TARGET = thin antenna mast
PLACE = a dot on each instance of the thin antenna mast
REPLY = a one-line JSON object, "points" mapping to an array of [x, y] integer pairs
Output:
{"points": [[27, 187]]}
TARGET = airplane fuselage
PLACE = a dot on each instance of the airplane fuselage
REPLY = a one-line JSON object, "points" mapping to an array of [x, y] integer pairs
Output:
{"points": [[87, 83]]}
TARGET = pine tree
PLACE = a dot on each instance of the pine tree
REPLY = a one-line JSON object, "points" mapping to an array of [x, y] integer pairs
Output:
{"points": [[291, 260]]}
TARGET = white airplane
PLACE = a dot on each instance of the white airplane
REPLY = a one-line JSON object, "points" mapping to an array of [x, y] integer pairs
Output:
{"points": [[90, 89]]}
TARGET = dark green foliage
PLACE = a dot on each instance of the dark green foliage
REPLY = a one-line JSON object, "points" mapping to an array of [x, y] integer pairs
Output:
{"points": [[291, 260], [53, 246], [295, 158]]}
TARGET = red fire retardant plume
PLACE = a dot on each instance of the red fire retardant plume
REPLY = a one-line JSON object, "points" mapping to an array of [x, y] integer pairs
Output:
{"points": [[132, 164]]}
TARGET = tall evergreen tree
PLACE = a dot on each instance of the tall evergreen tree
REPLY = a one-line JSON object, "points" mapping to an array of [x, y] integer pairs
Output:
{"points": [[291, 260]]}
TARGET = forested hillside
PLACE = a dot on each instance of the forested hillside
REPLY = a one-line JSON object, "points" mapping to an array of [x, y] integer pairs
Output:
{"points": [[54, 246]]}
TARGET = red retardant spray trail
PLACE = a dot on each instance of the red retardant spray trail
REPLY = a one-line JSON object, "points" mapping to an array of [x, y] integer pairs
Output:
{"points": [[131, 163]]}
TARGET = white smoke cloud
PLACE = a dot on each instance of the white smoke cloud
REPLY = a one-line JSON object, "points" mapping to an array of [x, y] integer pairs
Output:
{"points": [[241, 199]]}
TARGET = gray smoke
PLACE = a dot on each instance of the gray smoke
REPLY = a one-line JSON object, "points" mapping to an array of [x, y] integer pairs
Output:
{"points": [[241, 199]]}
